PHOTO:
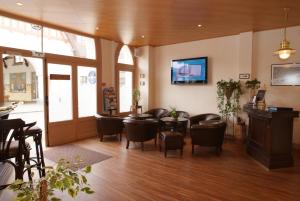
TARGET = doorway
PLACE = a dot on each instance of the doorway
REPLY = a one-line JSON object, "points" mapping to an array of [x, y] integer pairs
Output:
{"points": [[23, 79]]}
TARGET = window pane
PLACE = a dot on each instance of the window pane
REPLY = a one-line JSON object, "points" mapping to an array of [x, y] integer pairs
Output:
{"points": [[21, 35], [69, 44], [125, 56], [87, 94], [60, 92], [125, 87]]}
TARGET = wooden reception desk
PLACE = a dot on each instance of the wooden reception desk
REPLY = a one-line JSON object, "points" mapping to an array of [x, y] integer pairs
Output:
{"points": [[270, 136]]}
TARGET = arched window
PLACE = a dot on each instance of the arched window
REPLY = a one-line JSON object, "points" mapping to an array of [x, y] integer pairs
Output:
{"points": [[125, 67], [125, 56]]}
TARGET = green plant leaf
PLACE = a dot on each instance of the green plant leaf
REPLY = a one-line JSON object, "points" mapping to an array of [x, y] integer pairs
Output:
{"points": [[87, 169], [87, 190], [55, 199], [71, 192], [84, 179]]}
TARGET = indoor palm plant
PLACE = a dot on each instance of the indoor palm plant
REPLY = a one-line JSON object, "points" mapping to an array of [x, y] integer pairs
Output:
{"points": [[228, 98], [173, 112], [65, 176], [136, 96]]}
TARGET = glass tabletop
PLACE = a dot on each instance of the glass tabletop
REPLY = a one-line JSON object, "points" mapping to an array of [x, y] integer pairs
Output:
{"points": [[171, 119]]}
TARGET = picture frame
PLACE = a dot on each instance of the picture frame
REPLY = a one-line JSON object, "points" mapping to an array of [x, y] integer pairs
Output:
{"points": [[285, 74]]}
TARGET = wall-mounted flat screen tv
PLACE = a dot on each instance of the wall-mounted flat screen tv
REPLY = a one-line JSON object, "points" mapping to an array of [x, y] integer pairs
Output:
{"points": [[189, 71]]}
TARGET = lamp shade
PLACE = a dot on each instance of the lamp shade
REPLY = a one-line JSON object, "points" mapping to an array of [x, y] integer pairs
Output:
{"points": [[285, 51]]}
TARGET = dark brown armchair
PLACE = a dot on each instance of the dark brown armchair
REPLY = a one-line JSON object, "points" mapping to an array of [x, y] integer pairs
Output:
{"points": [[157, 113], [208, 133], [140, 131], [203, 117], [109, 125]]}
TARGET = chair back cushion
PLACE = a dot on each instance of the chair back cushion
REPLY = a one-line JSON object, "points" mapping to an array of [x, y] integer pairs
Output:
{"points": [[109, 125], [11, 133], [140, 130], [158, 113], [204, 117], [209, 133]]}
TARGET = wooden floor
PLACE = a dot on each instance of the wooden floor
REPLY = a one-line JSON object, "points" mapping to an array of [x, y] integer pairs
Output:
{"points": [[135, 175]]}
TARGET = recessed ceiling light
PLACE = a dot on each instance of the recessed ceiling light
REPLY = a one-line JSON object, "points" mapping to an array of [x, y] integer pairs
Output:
{"points": [[19, 4], [199, 25], [142, 36]]}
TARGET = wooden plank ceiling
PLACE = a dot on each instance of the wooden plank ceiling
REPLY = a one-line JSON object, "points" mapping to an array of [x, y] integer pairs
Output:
{"points": [[161, 22]]}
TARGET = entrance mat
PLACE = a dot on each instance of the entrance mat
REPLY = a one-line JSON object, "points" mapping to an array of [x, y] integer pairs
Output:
{"points": [[70, 152]]}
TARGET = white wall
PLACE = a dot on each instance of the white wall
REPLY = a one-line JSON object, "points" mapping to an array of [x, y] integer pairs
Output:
{"points": [[222, 56], [108, 49], [143, 69], [264, 44], [227, 57]]}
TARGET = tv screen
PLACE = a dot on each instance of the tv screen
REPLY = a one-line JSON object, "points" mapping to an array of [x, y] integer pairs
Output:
{"points": [[189, 71]]}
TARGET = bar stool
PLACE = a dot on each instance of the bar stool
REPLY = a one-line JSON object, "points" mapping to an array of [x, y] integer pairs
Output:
{"points": [[30, 130], [13, 146]]}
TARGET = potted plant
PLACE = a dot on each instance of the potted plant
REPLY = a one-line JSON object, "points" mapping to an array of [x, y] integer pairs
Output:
{"points": [[252, 85], [136, 96], [231, 90], [62, 177], [173, 113]]}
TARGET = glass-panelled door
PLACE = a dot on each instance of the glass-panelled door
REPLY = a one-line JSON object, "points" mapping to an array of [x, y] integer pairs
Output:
{"points": [[60, 92], [23, 84], [87, 91], [71, 101], [125, 80], [60, 103]]}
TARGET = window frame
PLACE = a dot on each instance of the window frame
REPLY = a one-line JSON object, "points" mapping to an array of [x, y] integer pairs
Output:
{"points": [[124, 67]]}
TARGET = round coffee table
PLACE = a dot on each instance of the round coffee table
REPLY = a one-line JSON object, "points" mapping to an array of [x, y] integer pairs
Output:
{"points": [[172, 122]]}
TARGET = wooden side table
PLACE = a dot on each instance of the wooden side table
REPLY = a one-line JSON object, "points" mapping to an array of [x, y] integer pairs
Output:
{"points": [[172, 141]]}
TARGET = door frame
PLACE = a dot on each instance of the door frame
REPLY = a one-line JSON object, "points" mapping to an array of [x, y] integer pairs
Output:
{"points": [[60, 59], [24, 53], [76, 120]]}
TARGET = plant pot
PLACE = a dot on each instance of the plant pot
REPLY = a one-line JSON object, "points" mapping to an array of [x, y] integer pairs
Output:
{"points": [[43, 191], [228, 93]]}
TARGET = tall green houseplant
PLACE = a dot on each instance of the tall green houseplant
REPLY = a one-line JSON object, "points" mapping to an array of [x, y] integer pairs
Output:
{"points": [[228, 97]]}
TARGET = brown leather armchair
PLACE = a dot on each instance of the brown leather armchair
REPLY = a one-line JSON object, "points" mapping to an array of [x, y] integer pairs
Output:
{"points": [[208, 133], [157, 113], [203, 117], [109, 125], [140, 131]]}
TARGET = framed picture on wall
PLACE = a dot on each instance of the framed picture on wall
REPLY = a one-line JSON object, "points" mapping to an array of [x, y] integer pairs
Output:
{"points": [[285, 74]]}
